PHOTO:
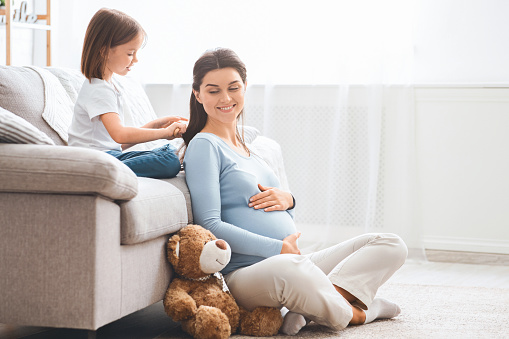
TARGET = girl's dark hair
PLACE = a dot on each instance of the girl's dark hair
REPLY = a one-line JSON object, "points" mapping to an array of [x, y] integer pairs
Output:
{"points": [[211, 60], [107, 28]]}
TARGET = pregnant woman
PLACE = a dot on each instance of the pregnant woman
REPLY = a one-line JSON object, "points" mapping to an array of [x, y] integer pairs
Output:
{"points": [[237, 197]]}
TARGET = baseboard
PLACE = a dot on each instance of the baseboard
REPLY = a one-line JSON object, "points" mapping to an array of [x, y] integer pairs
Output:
{"points": [[466, 244], [468, 257]]}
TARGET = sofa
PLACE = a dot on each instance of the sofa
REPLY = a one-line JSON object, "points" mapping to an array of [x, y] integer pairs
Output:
{"points": [[82, 239]]}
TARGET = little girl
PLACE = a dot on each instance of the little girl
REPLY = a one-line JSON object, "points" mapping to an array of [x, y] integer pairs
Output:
{"points": [[111, 43]]}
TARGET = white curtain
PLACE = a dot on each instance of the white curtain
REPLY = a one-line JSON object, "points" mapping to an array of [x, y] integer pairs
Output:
{"points": [[348, 140], [349, 157]]}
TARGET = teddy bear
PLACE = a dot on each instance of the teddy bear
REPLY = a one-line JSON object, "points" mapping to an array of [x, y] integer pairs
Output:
{"points": [[198, 296]]}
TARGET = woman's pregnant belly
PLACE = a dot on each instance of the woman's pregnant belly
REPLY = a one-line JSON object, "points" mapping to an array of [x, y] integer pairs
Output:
{"points": [[274, 224]]}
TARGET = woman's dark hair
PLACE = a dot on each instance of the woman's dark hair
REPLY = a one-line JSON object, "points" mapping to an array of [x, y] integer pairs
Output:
{"points": [[211, 60], [108, 28]]}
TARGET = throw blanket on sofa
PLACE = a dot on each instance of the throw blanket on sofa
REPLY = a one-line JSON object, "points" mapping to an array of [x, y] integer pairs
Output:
{"points": [[58, 106]]}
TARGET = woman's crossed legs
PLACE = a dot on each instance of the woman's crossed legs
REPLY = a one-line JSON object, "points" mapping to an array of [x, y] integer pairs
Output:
{"points": [[308, 285]]}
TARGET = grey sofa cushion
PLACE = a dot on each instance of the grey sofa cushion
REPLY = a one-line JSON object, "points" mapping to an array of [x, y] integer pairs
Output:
{"points": [[14, 129], [180, 183], [22, 93], [158, 209]]}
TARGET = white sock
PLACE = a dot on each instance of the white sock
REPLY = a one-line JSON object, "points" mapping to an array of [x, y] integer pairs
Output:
{"points": [[381, 309], [292, 323]]}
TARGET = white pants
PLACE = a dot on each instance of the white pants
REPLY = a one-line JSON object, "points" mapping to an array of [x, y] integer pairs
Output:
{"points": [[304, 283]]}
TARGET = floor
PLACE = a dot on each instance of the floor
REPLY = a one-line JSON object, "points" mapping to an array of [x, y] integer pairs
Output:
{"points": [[443, 268]]}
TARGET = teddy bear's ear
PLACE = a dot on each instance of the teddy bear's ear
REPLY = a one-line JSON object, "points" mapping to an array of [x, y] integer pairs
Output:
{"points": [[174, 249]]}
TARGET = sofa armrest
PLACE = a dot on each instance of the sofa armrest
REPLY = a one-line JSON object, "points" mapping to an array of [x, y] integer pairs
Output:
{"points": [[64, 169]]}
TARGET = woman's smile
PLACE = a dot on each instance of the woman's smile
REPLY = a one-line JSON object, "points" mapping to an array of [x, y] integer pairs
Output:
{"points": [[227, 109]]}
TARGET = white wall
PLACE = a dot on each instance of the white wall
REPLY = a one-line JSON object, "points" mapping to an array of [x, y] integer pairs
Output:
{"points": [[455, 41], [461, 41], [463, 162]]}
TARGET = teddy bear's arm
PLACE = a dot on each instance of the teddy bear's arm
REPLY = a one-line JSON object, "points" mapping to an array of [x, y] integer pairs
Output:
{"points": [[178, 304]]}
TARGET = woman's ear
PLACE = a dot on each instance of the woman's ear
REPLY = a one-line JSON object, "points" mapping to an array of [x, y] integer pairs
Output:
{"points": [[197, 96]]}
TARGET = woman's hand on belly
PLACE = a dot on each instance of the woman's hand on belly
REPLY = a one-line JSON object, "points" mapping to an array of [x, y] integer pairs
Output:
{"points": [[290, 244], [271, 199]]}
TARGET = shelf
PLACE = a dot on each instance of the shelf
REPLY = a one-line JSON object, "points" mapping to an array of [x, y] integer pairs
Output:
{"points": [[39, 17], [30, 26], [7, 12]]}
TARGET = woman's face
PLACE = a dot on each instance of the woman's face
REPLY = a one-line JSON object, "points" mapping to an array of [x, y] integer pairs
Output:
{"points": [[222, 95]]}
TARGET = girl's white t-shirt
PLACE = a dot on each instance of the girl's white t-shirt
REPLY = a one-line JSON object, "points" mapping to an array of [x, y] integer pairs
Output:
{"points": [[96, 97]]}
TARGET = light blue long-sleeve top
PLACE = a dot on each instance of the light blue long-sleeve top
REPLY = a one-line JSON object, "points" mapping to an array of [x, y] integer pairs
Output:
{"points": [[221, 181]]}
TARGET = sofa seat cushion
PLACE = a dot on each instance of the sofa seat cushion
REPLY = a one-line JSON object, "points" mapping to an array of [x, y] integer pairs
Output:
{"points": [[158, 209]]}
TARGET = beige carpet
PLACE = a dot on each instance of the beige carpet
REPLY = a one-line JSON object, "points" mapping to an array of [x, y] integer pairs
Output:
{"points": [[431, 312], [427, 312]]}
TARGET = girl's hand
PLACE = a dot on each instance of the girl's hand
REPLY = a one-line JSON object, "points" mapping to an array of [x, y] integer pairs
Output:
{"points": [[271, 199], [165, 122], [175, 130], [290, 244]]}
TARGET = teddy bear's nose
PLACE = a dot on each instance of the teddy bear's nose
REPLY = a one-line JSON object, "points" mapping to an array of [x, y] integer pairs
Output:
{"points": [[221, 244]]}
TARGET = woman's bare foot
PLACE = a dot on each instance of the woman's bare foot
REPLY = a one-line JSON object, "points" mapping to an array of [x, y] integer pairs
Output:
{"points": [[379, 309], [358, 315]]}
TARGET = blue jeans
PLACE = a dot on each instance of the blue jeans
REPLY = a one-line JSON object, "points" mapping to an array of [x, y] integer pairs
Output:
{"points": [[159, 163]]}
